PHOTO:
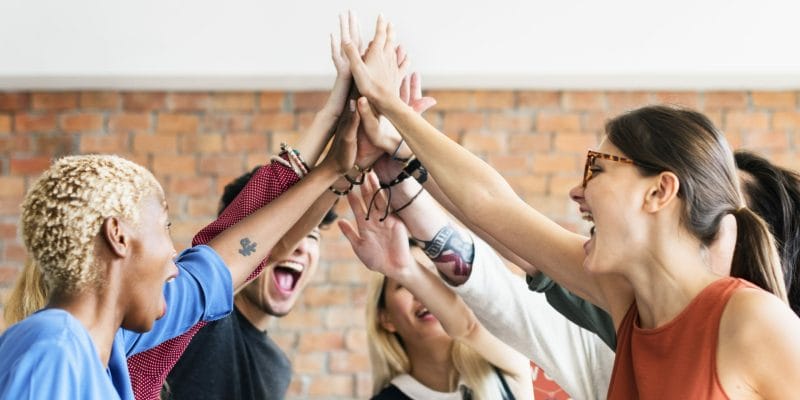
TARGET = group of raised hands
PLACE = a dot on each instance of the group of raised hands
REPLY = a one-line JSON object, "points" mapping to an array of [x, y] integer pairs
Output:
{"points": [[380, 74]]}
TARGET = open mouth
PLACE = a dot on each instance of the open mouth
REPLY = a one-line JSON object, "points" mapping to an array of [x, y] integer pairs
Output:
{"points": [[424, 314], [286, 275]]}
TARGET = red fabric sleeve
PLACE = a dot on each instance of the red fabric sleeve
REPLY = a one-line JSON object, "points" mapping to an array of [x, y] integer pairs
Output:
{"points": [[149, 369]]}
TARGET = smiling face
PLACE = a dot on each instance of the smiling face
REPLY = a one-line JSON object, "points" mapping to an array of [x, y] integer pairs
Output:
{"points": [[150, 265], [276, 290], [405, 316], [612, 200]]}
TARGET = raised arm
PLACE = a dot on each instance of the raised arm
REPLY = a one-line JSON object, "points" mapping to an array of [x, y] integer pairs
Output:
{"points": [[383, 247], [250, 240], [484, 197], [576, 359]]}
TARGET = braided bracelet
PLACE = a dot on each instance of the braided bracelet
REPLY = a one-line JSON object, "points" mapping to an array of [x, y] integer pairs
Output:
{"points": [[414, 197]]}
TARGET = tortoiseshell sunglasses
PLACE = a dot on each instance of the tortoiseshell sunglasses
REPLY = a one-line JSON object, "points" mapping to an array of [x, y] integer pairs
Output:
{"points": [[593, 155]]}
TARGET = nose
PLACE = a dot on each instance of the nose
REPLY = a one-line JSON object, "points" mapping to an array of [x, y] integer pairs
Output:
{"points": [[576, 194], [302, 247]]}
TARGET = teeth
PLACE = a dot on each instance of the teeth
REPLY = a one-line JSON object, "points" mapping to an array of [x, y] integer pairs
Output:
{"points": [[421, 312], [292, 265], [587, 216]]}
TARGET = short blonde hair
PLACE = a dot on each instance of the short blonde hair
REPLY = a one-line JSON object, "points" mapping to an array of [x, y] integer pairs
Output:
{"points": [[389, 359], [65, 208]]}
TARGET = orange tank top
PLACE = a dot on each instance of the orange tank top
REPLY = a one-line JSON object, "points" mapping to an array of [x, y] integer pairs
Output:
{"points": [[677, 360]]}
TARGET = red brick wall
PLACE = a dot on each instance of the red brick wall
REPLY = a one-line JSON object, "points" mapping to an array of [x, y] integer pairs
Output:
{"points": [[196, 142]]}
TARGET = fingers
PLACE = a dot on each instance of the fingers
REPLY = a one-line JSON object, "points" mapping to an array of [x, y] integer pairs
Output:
{"points": [[404, 66], [344, 29], [423, 104], [369, 119], [405, 91], [416, 86], [349, 232], [380, 33], [357, 205], [390, 36], [369, 189], [335, 48], [401, 54], [355, 31]]}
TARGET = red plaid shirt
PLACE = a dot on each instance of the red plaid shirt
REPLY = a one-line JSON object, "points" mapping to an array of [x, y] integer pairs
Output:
{"points": [[149, 369]]}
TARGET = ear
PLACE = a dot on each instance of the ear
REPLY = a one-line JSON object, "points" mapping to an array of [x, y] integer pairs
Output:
{"points": [[664, 189], [114, 233], [383, 317]]}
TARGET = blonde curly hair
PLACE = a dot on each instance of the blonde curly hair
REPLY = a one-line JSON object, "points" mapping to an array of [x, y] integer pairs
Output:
{"points": [[65, 208]]}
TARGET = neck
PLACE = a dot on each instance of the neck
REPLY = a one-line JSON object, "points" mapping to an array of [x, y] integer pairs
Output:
{"points": [[668, 278], [252, 313], [432, 365], [91, 309]]}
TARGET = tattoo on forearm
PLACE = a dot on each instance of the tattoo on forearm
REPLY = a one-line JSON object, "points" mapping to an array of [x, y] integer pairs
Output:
{"points": [[248, 247], [449, 246]]}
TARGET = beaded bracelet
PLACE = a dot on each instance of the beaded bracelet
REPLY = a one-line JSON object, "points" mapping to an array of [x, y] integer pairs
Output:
{"points": [[341, 192]]}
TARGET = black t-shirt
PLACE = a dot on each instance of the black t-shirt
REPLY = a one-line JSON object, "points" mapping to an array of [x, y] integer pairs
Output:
{"points": [[230, 359], [391, 392]]}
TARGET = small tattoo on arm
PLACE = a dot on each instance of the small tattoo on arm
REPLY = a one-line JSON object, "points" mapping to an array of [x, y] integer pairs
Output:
{"points": [[248, 247], [449, 246]]}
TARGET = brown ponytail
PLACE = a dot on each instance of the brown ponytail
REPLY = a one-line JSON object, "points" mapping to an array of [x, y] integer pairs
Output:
{"points": [[755, 257]]}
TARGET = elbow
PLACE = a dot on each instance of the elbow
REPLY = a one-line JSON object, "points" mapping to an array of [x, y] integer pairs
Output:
{"points": [[467, 330]]}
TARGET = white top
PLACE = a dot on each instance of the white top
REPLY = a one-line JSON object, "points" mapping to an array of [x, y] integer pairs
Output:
{"points": [[575, 358], [417, 391]]}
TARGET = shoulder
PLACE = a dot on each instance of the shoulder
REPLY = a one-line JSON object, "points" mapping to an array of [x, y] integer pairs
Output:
{"points": [[752, 314], [44, 353], [758, 334]]}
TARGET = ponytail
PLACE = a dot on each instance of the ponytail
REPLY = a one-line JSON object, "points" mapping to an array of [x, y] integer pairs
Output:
{"points": [[28, 296], [755, 257]]}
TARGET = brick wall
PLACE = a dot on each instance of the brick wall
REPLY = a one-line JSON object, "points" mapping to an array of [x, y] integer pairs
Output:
{"points": [[196, 142]]}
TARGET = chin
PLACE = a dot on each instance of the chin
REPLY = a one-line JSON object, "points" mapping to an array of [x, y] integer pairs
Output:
{"points": [[279, 310]]}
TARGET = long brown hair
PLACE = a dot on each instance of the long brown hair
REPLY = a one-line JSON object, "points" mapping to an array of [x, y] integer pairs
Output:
{"points": [[686, 143]]}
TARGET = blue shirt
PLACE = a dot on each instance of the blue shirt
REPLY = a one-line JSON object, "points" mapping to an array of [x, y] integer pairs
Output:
{"points": [[50, 354]]}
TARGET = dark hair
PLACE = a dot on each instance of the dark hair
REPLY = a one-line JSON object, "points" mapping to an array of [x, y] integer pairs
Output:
{"points": [[774, 193], [233, 188], [686, 143]]}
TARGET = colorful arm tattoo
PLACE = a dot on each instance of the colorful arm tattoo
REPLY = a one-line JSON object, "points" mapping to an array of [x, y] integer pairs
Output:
{"points": [[450, 247]]}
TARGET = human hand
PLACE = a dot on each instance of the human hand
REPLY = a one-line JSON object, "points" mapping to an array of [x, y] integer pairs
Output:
{"points": [[348, 27], [381, 245], [380, 73], [342, 154], [380, 132]]}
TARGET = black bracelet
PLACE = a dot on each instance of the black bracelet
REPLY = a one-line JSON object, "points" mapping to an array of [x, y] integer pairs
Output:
{"points": [[355, 181], [409, 201], [417, 170], [394, 154], [341, 192]]}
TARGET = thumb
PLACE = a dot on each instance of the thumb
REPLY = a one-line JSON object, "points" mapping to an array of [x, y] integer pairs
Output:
{"points": [[353, 55], [370, 119]]}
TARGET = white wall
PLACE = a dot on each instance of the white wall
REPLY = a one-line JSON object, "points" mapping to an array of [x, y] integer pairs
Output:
{"points": [[267, 44]]}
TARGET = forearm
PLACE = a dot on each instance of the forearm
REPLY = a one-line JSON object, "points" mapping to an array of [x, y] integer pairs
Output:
{"points": [[433, 188], [321, 129], [461, 324], [576, 359], [245, 244], [450, 163], [307, 222]]}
